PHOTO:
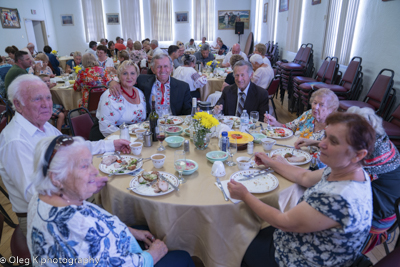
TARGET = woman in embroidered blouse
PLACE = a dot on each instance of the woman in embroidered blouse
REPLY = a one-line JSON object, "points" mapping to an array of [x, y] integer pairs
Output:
{"points": [[130, 107], [92, 75], [63, 225], [188, 74], [329, 225], [42, 68]]}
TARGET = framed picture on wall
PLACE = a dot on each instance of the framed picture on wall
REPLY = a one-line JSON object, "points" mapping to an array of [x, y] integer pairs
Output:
{"points": [[112, 18], [265, 12], [10, 18], [182, 17], [67, 20], [228, 18], [283, 5], [315, 2]]}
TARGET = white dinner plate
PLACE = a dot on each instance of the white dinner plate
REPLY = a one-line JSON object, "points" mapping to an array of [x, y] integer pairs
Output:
{"points": [[144, 190], [176, 120], [297, 153], [111, 169], [271, 134], [66, 86], [133, 127], [262, 184]]}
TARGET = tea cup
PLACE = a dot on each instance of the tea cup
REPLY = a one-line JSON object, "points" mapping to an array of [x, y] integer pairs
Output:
{"points": [[136, 148], [243, 163], [158, 160]]}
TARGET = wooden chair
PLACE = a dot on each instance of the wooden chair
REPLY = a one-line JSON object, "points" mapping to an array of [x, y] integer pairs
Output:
{"points": [[94, 98], [81, 122]]}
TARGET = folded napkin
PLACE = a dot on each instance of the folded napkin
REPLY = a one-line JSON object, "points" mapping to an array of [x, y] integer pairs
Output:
{"points": [[225, 187], [116, 137], [289, 197]]}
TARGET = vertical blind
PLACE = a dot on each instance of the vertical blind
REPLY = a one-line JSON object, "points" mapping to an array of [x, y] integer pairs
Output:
{"points": [[293, 29], [93, 20], [203, 19], [271, 20], [131, 19], [161, 20]]}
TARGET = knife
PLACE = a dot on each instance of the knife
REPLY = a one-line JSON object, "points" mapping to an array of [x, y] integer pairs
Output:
{"points": [[222, 189], [284, 146], [255, 175], [165, 179]]}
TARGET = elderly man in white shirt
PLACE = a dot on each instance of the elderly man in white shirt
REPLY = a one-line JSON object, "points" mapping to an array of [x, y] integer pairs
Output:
{"points": [[235, 51], [32, 101], [263, 73], [155, 48]]}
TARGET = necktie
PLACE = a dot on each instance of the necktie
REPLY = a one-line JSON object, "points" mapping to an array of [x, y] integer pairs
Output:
{"points": [[241, 104], [162, 94]]}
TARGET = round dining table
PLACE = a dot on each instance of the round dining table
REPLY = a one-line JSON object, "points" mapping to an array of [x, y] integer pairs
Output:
{"points": [[213, 84], [66, 96], [63, 61], [196, 218]]}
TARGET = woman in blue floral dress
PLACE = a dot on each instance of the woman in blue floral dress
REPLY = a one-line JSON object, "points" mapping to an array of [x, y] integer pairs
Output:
{"points": [[65, 230], [331, 221]]}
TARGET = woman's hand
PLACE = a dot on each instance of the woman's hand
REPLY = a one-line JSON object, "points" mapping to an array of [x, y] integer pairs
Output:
{"points": [[143, 235], [300, 142], [157, 250], [122, 145], [115, 88], [271, 120], [280, 159], [237, 190], [262, 159]]}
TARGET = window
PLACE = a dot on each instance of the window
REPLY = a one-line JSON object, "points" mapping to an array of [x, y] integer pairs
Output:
{"points": [[93, 20], [203, 19], [161, 20], [130, 19]]}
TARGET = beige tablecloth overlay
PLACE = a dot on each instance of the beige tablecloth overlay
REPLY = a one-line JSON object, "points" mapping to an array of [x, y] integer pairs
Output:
{"points": [[197, 218], [63, 61], [67, 97], [213, 84]]}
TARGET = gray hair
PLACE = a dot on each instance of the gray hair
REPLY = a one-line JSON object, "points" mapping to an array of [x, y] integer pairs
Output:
{"points": [[369, 114], [187, 59], [61, 165], [89, 60], [17, 85], [102, 40], [205, 47], [333, 100], [77, 54], [154, 42], [125, 65], [242, 63], [256, 59], [160, 56]]}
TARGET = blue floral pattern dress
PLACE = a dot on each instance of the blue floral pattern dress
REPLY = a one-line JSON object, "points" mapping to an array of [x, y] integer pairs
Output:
{"points": [[80, 236], [347, 202]]}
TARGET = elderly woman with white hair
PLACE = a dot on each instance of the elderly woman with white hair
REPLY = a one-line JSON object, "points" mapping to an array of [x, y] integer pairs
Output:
{"points": [[263, 73], [188, 74], [63, 226], [72, 63], [129, 107]]}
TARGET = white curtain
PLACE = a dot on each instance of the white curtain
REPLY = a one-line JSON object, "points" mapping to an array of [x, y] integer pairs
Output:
{"points": [[293, 29], [339, 31], [93, 20], [161, 20], [130, 19], [271, 20], [203, 19]]}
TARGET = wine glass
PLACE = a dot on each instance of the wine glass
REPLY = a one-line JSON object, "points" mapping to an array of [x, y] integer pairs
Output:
{"points": [[180, 163], [160, 133], [166, 111], [254, 115], [232, 149]]}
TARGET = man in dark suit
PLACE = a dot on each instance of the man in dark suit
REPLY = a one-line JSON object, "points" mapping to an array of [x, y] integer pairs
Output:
{"points": [[243, 95], [167, 90]]}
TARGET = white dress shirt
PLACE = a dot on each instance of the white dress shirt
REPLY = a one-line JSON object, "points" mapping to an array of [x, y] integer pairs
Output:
{"points": [[266, 61], [263, 76], [157, 51], [17, 148], [227, 58], [190, 76], [107, 63]]}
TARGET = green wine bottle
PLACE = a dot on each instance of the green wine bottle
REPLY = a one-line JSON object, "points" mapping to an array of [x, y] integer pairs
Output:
{"points": [[153, 118]]}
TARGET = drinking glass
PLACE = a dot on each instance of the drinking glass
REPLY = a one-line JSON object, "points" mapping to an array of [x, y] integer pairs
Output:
{"points": [[166, 112], [180, 163], [232, 149], [160, 133], [254, 115]]}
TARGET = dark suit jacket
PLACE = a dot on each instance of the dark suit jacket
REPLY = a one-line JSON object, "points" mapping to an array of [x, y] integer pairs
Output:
{"points": [[180, 99], [256, 100]]}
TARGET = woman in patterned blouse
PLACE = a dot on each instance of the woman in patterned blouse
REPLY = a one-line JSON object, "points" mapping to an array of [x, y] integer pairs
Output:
{"points": [[138, 54], [64, 229], [332, 219], [92, 75], [130, 107]]}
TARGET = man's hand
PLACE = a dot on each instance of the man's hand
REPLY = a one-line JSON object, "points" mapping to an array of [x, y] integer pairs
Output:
{"points": [[122, 145], [111, 70], [115, 88], [217, 109]]}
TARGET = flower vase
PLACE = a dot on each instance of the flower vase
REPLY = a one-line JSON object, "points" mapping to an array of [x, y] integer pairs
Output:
{"points": [[201, 138]]}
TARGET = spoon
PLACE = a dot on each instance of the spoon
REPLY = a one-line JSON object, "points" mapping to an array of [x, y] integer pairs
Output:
{"points": [[251, 158]]}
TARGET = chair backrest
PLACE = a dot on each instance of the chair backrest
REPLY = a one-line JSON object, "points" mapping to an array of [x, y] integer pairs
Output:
{"points": [[94, 97], [80, 122], [273, 86], [321, 72], [379, 92], [144, 71], [299, 53], [18, 244], [392, 260], [270, 48], [350, 76], [305, 56], [395, 116], [3, 120], [331, 71], [267, 45]]}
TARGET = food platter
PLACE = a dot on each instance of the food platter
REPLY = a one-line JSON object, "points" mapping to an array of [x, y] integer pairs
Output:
{"points": [[278, 133], [262, 184], [115, 170], [174, 119], [144, 190], [245, 137], [296, 152]]}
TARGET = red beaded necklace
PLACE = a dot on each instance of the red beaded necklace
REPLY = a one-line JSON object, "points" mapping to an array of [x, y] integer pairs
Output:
{"points": [[133, 96]]}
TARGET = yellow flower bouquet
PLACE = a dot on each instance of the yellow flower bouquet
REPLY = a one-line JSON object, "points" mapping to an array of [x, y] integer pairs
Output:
{"points": [[203, 122], [77, 69]]}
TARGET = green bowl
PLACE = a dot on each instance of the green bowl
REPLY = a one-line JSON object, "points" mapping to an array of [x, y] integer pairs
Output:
{"points": [[214, 156], [258, 137], [187, 131], [177, 130], [190, 162], [175, 141]]}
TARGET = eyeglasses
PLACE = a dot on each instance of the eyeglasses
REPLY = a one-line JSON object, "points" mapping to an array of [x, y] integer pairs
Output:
{"points": [[59, 141]]}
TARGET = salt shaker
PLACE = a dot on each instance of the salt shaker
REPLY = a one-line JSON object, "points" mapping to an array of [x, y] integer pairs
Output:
{"points": [[124, 132], [186, 146], [250, 148]]}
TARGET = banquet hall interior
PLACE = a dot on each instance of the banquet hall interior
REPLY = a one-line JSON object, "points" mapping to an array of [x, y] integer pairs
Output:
{"points": [[345, 31]]}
